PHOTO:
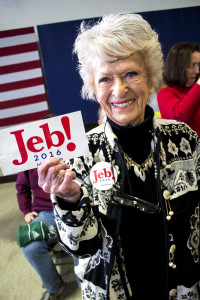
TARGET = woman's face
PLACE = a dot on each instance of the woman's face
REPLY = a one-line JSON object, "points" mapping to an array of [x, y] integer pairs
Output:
{"points": [[193, 70], [122, 88]]}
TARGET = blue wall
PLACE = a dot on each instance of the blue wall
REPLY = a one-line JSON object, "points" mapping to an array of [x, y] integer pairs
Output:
{"points": [[63, 82], [175, 25]]}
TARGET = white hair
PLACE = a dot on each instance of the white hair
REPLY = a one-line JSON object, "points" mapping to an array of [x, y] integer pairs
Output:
{"points": [[114, 37]]}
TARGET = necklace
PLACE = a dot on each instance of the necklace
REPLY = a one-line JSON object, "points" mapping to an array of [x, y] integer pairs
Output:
{"points": [[140, 169]]}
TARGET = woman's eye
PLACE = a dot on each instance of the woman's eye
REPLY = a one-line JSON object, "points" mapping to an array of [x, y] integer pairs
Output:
{"points": [[193, 65], [105, 82], [131, 74], [104, 79]]}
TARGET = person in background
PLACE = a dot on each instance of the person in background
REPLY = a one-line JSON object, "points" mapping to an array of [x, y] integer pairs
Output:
{"points": [[129, 210], [36, 206], [180, 99]]}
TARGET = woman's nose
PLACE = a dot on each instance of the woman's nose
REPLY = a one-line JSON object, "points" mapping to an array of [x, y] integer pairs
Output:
{"points": [[120, 88], [196, 69]]}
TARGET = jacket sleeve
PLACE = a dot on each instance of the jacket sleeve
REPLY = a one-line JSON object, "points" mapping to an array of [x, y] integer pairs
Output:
{"points": [[172, 106], [24, 194], [77, 224]]}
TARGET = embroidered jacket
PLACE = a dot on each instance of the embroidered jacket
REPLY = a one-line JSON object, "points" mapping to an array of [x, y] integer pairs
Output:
{"points": [[84, 231]]}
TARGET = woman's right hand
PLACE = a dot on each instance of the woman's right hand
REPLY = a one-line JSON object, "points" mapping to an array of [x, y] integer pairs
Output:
{"points": [[55, 177]]}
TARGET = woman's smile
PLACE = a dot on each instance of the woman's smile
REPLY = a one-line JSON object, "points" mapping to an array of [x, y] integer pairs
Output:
{"points": [[123, 104]]}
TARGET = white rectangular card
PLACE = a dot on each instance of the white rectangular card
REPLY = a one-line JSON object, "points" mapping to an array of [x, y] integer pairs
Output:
{"points": [[26, 146]]}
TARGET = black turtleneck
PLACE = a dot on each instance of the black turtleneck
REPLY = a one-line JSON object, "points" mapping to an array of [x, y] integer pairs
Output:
{"points": [[141, 234], [136, 140]]}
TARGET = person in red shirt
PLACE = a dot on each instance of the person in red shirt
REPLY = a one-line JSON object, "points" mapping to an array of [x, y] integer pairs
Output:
{"points": [[180, 99]]}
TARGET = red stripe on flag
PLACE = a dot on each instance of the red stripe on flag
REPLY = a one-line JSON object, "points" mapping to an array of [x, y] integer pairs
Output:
{"points": [[20, 67], [27, 47], [23, 101], [21, 84], [18, 49], [23, 118], [14, 32]]}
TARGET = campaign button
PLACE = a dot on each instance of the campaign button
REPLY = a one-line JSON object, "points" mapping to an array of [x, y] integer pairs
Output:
{"points": [[103, 176]]}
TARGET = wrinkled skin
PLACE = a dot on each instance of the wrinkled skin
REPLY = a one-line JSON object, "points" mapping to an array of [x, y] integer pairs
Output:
{"points": [[122, 88], [50, 181]]}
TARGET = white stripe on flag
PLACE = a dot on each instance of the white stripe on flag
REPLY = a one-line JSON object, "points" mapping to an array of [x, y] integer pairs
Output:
{"points": [[22, 93], [19, 58], [18, 76], [21, 78], [24, 110], [17, 40]]}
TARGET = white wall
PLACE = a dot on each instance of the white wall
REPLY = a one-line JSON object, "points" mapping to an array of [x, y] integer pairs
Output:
{"points": [[25, 13]]}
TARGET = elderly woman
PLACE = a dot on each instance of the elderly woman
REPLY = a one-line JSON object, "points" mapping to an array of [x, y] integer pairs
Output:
{"points": [[129, 211]]}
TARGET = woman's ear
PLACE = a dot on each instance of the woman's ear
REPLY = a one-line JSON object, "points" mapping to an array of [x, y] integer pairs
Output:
{"points": [[151, 89]]}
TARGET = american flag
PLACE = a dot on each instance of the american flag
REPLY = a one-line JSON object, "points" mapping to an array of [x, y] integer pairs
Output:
{"points": [[22, 91]]}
